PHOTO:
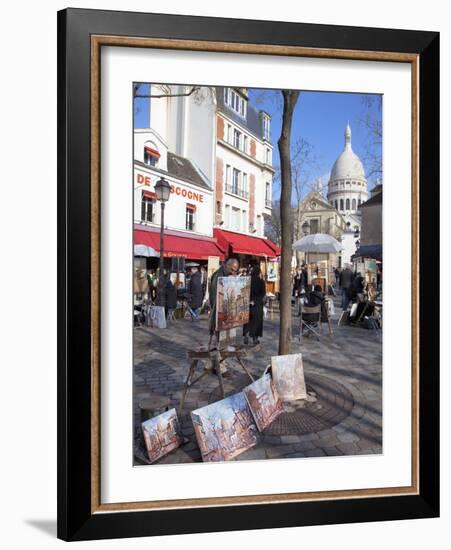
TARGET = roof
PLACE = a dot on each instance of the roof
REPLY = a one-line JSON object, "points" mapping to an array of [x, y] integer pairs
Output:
{"points": [[348, 165], [377, 199], [253, 120], [184, 169]]}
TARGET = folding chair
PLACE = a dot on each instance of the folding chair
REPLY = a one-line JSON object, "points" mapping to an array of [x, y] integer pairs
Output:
{"points": [[310, 320]]}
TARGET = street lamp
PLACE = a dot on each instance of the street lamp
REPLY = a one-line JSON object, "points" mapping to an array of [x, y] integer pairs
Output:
{"points": [[162, 191], [305, 231]]}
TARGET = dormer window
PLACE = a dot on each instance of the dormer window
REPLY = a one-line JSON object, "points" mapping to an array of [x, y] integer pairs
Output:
{"points": [[151, 154], [234, 101]]}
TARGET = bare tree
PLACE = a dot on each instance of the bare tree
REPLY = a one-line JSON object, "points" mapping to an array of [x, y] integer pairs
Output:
{"points": [[290, 98], [302, 162], [371, 121]]}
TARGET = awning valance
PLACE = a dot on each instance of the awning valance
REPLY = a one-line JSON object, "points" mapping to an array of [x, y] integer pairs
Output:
{"points": [[237, 243], [177, 245]]}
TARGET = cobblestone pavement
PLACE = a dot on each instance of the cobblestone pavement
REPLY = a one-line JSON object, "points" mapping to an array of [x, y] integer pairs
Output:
{"points": [[343, 373]]}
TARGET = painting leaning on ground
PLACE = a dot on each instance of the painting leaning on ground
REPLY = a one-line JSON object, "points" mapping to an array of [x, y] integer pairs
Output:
{"points": [[258, 274]]}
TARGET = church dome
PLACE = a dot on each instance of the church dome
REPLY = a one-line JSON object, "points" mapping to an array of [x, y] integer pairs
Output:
{"points": [[348, 165]]}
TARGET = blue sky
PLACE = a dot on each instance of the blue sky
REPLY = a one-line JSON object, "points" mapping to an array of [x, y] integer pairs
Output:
{"points": [[320, 118]]}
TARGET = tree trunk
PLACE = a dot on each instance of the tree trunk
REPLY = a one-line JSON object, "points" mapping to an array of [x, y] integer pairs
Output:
{"points": [[290, 98]]}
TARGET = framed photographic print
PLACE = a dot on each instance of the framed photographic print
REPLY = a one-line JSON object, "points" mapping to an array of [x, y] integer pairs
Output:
{"points": [[297, 163]]}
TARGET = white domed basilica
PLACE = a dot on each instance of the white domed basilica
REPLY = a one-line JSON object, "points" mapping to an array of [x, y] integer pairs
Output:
{"points": [[347, 190]]}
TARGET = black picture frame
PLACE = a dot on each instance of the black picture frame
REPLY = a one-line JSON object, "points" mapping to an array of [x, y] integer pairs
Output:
{"points": [[76, 519]]}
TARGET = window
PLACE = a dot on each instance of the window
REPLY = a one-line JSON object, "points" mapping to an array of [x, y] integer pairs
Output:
{"points": [[151, 154], [245, 147], [229, 133], [314, 226], [147, 207], [268, 195], [360, 202], [236, 181], [348, 205], [190, 217], [244, 190], [218, 207], [353, 204], [245, 227], [227, 175], [227, 215], [341, 204], [236, 219], [233, 100], [236, 138], [268, 156], [259, 225], [266, 127]]}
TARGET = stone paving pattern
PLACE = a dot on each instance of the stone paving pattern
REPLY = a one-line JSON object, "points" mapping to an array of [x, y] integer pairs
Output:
{"points": [[351, 358]]}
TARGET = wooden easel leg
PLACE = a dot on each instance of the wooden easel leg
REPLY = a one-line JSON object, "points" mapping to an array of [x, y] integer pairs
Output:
{"points": [[192, 369], [217, 367], [241, 362]]}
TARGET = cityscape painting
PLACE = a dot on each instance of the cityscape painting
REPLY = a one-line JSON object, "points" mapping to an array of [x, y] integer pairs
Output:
{"points": [[288, 376], [232, 302], [224, 429], [263, 401], [161, 434]]}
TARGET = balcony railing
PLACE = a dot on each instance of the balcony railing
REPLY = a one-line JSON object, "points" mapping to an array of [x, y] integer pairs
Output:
{"points": [[268, 203], [236, 191]]}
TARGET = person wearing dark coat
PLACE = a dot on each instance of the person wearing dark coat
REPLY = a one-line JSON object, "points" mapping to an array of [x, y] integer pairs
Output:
{"points": [[258, 291], [196, 293], [346, 280], [171, 297], [357, 286]]}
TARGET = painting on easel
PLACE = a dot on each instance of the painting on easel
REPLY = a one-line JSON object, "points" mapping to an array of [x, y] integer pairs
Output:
{"points": [[232, 302], [224, 429]]}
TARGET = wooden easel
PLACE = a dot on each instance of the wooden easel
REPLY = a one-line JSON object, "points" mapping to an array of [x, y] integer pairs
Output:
{"points": [[215, 357]]}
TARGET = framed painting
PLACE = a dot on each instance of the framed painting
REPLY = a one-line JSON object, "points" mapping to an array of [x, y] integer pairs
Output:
{"points": [[299, 162]]}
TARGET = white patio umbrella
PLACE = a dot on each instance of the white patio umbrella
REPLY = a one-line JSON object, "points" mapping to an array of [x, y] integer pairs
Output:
{"points": [[319, 243], [144, 250]]}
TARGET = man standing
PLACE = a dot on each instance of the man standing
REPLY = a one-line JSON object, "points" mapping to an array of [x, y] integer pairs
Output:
{"points": [[346, 280], [195, 292]]}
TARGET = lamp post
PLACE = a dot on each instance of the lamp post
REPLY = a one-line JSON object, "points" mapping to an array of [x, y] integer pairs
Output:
{"points": [[162, 191], [305, 231]]}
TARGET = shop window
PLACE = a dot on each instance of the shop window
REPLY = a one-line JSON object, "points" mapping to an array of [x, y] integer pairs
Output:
{"points": [[148, 202], [190, 217], [151, 154]]}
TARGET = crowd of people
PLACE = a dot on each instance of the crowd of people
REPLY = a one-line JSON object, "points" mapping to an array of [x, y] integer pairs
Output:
{"points": [[193, 292]]}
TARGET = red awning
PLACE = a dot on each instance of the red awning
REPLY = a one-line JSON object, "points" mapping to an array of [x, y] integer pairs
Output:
{"points": [[245, 244], [177, 245]]}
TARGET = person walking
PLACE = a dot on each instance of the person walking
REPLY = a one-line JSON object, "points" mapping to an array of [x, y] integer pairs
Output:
{"points": [[258, 291], [196, 293], [346, 280]]}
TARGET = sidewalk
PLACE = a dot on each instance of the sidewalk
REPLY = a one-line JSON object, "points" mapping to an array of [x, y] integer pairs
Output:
{"points": [[343, 373]]}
